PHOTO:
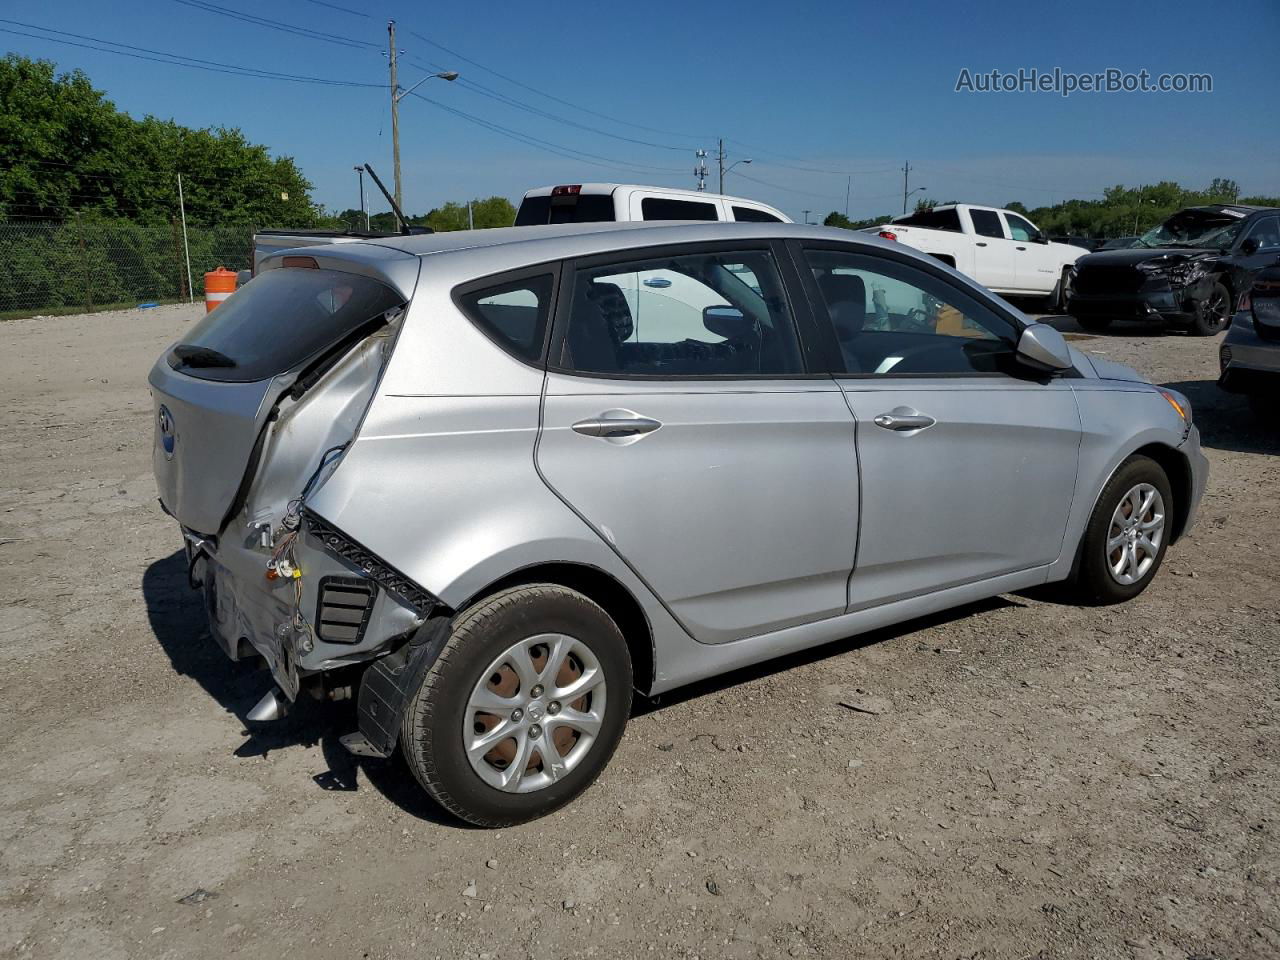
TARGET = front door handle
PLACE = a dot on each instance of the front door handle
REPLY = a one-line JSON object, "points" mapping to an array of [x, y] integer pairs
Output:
{"points": [[1021, 248], [904, 421], [981, 243], [616, 426]]}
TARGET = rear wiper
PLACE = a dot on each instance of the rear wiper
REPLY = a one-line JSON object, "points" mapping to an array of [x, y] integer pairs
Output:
{"points": [[194, 356]]}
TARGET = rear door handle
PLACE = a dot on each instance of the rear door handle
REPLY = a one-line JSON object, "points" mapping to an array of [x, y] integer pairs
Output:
{"points": [[904, 421], [616, 426], [1021, 248], [980, 243]]}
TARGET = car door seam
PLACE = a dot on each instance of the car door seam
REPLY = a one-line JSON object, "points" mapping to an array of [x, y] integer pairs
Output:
{"points": [[537, 468]]}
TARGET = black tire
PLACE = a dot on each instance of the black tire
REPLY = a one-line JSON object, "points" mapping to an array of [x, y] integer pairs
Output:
{"points": [[1094, 324], [432, 737], [1094, 583], [1213, 313]]}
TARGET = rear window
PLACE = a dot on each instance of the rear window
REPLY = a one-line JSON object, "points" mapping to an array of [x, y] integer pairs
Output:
{"points": [[573, 208], [662, 208], [935, 219], [752, 215], [280, 320]]}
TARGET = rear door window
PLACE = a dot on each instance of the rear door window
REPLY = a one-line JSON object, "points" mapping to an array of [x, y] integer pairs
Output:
{"points": [[702, 314], [752, 215], [280, 320], [986, 223], [667, 208]]}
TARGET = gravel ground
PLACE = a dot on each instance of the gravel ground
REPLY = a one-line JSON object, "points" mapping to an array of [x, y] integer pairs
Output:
{"points": [[1036, 780]]}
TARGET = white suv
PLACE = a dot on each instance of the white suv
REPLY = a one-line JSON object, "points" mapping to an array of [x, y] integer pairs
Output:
{"points": [[621, 202]]}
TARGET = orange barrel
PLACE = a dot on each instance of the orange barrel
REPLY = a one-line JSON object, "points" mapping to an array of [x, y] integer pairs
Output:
{"points": [[218, 285]]}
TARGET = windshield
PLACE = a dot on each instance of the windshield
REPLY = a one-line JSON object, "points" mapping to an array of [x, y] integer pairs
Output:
{"points": [[1194, 228], [278, 321]]}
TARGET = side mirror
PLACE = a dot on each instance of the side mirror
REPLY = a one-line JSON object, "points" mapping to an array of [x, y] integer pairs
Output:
{"points": [[1040, 238], [1250, 246], [1043, 347], [725, 321]]}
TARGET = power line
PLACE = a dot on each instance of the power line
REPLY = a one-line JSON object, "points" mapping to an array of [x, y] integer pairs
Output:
{"points": [[778, 186], [277, 25], [1005, 183], [334, 6], [173, 59], [569, 152], [525, 86], [538, 111]]}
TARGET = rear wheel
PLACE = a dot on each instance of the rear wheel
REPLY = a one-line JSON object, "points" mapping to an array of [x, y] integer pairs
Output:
{"points": [[522, 709], [1127, 535], [1213, 312]]}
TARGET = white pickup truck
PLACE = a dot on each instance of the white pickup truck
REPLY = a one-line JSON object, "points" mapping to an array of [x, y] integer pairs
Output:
{"points": [[1002, 250]]}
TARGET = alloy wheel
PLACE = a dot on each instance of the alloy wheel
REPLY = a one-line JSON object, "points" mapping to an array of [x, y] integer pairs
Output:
{"points": [[534, 713], [1135, 534]]}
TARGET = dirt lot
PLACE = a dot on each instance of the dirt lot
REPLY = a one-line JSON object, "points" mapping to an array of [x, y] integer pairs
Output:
{"points": [[1040, 781]]}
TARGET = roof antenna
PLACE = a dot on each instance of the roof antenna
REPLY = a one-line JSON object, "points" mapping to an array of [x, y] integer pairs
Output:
{"points": [[400, 217]]}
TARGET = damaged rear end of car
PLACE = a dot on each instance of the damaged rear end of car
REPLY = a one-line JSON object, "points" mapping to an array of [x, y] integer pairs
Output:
{"points": [[255, 408]]}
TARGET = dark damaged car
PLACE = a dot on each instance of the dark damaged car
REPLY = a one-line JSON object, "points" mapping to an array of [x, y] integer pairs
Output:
{"points": [[1189, 271]]}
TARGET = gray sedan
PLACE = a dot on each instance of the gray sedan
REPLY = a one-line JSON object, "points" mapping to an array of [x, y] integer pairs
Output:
{"points": [[491, 483]]}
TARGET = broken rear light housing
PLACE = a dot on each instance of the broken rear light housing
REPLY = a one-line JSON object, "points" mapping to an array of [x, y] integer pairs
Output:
{"points": [[387, 577]]}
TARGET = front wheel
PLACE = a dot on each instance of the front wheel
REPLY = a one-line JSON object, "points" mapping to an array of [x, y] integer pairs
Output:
{"points": [[1213, 312], [1127, 535], [523, 707]]}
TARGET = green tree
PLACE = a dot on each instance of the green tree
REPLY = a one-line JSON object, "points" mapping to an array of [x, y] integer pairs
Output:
{"points": [[490, 212], [66, 149]]}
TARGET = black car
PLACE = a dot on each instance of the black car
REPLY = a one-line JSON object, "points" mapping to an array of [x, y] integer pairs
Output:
{"points": [[1189, 271]]}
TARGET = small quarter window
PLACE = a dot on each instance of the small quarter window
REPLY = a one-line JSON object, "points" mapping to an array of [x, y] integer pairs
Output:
{"points": [[513, 314]]}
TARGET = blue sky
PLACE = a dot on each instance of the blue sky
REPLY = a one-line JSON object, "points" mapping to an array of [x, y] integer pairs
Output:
{"points": [[845, 87]]}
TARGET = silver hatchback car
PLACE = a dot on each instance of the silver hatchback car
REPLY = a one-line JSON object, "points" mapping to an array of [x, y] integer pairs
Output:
{"points": [[490, 483]]}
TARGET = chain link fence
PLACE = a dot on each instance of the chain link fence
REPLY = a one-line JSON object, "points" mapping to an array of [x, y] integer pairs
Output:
{"points": [[76, 266]]}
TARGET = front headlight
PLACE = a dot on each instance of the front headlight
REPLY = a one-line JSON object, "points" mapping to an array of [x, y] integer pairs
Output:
{"points": [[1190, 272], [1179, 402]]}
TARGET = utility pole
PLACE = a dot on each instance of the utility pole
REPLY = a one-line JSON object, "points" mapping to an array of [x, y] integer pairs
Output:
{"points": [[186, 247], [471, 220], [906, 172], [364, 211], [721, 159], [395, 110], [848, 182]]}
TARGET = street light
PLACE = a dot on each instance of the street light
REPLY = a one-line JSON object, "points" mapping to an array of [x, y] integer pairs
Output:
{"points": [[909, 193], [450, 75], [398, 94], [735, 163]]}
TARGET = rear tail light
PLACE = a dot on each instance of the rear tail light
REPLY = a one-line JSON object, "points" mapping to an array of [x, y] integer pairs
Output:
{"points": [[1245, 302], [567, 190], [888, 235]]}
